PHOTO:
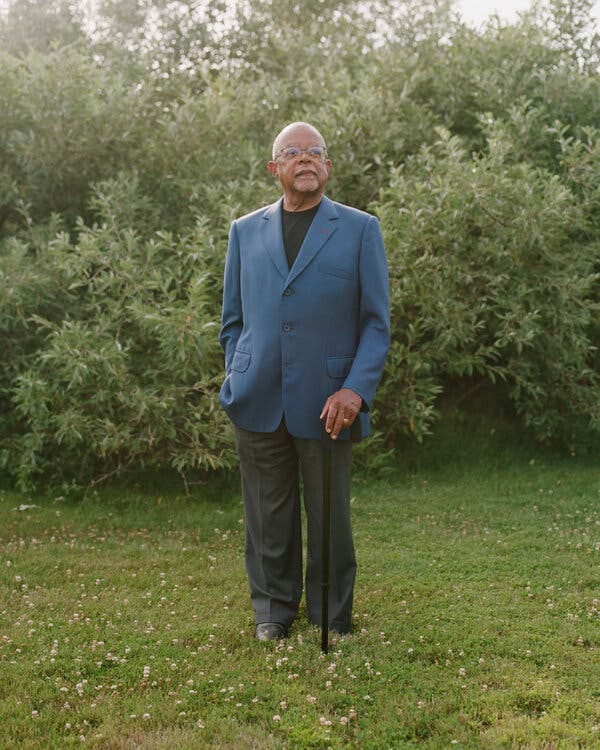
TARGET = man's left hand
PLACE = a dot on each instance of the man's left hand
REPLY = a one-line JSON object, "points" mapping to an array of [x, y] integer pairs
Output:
{"points": [[340, 411]]}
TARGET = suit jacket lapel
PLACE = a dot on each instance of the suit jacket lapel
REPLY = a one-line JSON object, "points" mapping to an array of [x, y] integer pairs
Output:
{"points": [[320, 230], [273, 237]]}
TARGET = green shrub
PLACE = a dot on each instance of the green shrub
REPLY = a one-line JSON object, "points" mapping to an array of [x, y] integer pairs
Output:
{"points": [[128, 373], [493, 273], [125, 153]]}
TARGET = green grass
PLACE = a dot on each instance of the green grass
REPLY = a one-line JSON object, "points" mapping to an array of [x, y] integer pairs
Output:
{"points": [[125, 619]]}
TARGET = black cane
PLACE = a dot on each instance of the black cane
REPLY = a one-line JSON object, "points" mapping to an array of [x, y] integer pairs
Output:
{"points": [[326, 536]]}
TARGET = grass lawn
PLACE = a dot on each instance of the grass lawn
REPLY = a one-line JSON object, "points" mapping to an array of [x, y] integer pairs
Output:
{"points": [[125, 619]]}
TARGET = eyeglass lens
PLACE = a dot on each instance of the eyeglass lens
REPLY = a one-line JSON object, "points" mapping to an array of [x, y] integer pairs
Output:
{"points": [[293, 151]]}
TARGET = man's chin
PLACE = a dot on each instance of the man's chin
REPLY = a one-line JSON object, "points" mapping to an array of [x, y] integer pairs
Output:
{"points": [[307, 186]]}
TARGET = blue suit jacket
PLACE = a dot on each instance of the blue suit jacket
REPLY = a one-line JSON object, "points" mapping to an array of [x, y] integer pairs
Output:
{"points": [[293, 337]]}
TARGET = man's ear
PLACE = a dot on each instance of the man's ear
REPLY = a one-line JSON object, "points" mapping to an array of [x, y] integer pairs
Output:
{"points": [[272, 167]]}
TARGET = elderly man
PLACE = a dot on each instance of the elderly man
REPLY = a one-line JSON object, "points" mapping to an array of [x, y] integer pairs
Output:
{"points": [[305, 330]]}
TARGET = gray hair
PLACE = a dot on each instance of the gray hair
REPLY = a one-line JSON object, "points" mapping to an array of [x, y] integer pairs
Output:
{"points": [[279, 139]]}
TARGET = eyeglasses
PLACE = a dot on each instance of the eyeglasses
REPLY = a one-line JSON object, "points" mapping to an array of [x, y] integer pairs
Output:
{"points": [[293, 152]]}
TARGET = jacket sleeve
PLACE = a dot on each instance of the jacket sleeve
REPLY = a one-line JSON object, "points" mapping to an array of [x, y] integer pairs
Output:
{"points": [[231, 319], [374, 316]]}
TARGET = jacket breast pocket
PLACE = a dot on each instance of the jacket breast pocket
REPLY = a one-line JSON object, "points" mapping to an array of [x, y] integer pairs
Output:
{"points": [[331, 270], [339, 367], [241, 361]]}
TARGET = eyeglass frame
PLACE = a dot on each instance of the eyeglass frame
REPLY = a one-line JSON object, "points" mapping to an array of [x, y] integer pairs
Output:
{"points": [[322, 155]]}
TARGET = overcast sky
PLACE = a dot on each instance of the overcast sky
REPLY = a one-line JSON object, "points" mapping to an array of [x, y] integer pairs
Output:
{"points": [[476, 11]]}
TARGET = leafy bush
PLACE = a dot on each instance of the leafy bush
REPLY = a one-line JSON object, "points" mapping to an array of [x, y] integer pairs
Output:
{"points": [[125, 153], [128, 373], [493, 274]]}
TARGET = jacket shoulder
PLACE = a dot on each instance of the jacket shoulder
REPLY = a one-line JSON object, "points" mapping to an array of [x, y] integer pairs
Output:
{"points": [[350, 212], [257, 214]]}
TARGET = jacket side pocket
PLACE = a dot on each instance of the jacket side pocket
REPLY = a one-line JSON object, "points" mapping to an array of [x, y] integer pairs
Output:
{"points": [[241, 361], [339, 367]]}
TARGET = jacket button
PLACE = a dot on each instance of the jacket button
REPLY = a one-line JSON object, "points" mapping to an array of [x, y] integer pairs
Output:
{"points": [[286, 327], [287, 292]]}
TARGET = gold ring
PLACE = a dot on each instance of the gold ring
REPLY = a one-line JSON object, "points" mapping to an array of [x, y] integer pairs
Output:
{"points": [[346, 421]]}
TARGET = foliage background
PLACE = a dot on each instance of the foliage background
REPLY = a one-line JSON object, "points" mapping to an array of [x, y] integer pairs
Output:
{"points": [[129, 140]]}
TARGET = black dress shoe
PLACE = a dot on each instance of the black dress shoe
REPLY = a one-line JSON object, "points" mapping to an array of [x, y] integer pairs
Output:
{"points": [[270, 631]]}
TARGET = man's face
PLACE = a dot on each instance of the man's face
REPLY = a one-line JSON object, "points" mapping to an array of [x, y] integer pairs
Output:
{"points": [[303, 175]]}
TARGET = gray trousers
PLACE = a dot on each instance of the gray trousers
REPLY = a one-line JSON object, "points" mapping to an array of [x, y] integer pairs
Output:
{"points": [[270, 465]]}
